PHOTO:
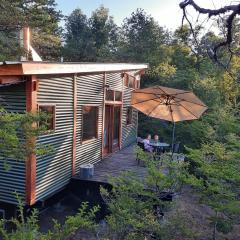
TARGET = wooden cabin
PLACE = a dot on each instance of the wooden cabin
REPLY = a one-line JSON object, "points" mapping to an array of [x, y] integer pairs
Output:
{"points": [[91, 118]]}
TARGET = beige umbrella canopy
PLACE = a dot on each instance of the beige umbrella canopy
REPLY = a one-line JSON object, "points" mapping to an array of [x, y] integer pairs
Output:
{"points": [[168, 104]]}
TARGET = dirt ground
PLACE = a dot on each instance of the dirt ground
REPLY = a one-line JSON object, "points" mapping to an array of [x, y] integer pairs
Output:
{"points": [[197, 216]]}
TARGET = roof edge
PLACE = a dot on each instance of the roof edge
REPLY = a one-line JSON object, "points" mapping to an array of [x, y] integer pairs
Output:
{"points": [[38, 68]]}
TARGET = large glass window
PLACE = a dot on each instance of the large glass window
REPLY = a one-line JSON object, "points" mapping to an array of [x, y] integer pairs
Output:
{"points": [[116, 126], [90, 120]]}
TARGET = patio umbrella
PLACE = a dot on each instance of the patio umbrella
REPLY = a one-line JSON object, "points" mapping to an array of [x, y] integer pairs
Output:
{"points": [[168, 104]]}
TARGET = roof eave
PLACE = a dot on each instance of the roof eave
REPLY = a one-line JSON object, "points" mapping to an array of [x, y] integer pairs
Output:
{"points": [[11, 70], [46, 68]]}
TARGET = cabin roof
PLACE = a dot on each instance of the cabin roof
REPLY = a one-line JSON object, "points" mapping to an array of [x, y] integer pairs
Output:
{"points": [[38, 68]]}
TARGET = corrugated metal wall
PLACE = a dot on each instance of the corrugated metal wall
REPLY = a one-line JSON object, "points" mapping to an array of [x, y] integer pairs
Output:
{"points": [[115, 81], [12, 180], [89, 92], [54, 171], [129, 132]]}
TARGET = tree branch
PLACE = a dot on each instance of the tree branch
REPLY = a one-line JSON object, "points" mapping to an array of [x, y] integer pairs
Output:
{"points": [[234, 9]]}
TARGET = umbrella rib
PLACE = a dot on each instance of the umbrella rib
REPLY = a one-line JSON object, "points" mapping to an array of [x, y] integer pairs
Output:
{"points": [[153, 109], [182, 99], [144, 101], [144, 92], [152, 99], [188, 110], [173, 94], [162, 90], [180, 93]]}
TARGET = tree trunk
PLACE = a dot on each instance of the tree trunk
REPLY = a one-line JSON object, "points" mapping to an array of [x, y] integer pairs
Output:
{"points": [[215, 226]]}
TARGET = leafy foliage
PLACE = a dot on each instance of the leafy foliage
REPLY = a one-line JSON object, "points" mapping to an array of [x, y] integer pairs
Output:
{"points": [[93, 39], [26, 228], [41, 16], [138, 206], [17, 132]]}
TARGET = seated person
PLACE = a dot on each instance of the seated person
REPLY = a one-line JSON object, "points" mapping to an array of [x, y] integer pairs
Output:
{"points": [[158, 149], [156, 138], [146, 143]]}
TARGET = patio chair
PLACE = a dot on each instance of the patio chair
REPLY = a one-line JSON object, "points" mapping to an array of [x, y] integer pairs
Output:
{"points": [[157, 153], [141, 145], [176, 147], [176, 155]]}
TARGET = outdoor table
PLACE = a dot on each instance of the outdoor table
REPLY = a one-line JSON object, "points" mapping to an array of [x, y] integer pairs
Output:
{"points": [[159, 146]]}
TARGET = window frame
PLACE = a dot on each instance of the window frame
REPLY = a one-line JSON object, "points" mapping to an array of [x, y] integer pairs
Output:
{"points": [[114, 97], [126, 80], [133, 79], [97, 119], [113, 94], [135, 84], [49, 131], [127, 116]]}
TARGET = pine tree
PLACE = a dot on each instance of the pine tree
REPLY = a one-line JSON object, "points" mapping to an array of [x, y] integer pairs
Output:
{"points": [[41, 16]]}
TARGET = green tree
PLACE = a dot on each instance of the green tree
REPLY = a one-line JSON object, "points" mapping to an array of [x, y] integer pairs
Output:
{"points": [[104, 33], [141, 38], [137, 204], [218, 165], [79, 45], [17, 132], [93, 39], [41, 16]]}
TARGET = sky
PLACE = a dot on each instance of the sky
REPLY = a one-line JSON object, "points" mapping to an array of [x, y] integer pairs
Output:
{"points": [[166, 12]]}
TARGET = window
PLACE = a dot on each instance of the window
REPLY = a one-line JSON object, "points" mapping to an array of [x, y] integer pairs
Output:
{"points": [[137, 83], [48, 121], [131, 81], [112, 95], [89, 125], [129, 115], [109, 95], [118, 96], [126, 80]]}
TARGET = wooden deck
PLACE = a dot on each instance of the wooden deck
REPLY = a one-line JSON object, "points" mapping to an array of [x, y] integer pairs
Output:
{"points": [[114, 164]]}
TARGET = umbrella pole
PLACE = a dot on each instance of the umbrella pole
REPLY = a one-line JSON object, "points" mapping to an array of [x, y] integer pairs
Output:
{"points": [[173, 136]]}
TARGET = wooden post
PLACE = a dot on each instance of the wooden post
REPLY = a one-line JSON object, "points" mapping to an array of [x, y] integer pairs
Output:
{"points": [[74, 144], [121, 113], [31, 106], [103, 111]]}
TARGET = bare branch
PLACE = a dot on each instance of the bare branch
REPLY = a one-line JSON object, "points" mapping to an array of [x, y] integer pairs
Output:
{"points": [[233, 9]]}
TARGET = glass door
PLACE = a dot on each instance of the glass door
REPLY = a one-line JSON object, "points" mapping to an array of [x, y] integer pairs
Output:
{"points": [[116, 126], [111, 129], [107, 130]]}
